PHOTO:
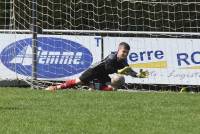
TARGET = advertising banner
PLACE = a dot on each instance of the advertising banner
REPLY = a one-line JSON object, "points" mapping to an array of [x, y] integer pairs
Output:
{"points": [[58, 56], [169, 60]]}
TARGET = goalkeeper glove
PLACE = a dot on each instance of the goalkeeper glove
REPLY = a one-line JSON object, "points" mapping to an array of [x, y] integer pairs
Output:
{"points": [[143, 74], [125, 71]]}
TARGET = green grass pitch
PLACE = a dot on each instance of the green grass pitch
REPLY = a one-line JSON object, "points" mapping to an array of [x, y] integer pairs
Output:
{"points": [[27, 111]]}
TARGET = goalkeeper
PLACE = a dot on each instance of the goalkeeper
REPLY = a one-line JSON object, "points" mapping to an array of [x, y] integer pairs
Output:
{"points": [[113, 63]]}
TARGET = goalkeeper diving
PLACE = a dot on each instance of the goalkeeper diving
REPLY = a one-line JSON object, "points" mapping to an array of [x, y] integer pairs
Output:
{"points": [[115, 63]]}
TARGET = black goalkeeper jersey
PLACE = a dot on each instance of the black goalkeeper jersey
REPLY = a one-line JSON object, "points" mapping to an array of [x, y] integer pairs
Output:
{"points": [[109, 65]]}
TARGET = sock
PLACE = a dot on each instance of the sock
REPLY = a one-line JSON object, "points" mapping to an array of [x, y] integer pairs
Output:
{"points": [[106, 88], [68, 84]]}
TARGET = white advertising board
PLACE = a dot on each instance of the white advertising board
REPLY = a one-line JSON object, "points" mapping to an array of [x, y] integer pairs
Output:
{"points": [[169, 60], [59, 56]]}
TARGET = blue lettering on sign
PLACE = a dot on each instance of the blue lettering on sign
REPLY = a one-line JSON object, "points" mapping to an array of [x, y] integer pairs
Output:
{"points": [[146, 55], [56, 57], [188, 59]]}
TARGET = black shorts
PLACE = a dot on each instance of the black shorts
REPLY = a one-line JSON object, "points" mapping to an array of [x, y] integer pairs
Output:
{"points": [[90, 75]]}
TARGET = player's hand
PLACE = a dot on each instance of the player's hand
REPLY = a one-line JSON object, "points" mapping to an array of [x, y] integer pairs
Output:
{"points": [[125, 71], [143, 74]]}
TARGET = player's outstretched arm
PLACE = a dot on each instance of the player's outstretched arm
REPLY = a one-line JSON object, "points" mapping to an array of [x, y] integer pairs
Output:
{"points": [[124, 71], [128, 71]]}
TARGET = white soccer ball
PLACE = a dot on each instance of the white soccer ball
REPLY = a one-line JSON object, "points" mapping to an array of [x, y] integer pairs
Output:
{"points": [[117, 81]]}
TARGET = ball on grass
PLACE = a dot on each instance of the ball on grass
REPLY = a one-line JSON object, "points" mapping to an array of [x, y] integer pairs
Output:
{"points": [[117, 81]]}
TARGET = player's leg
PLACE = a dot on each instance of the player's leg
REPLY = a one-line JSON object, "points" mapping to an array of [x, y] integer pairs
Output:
{"points": [[69, 83], [87, 76], [105, 81], [106, 87], [65, 85]]}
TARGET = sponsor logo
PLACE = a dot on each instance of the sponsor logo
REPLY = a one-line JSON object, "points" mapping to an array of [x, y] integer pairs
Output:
{"points": [[149, 59], [56, 57]]}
